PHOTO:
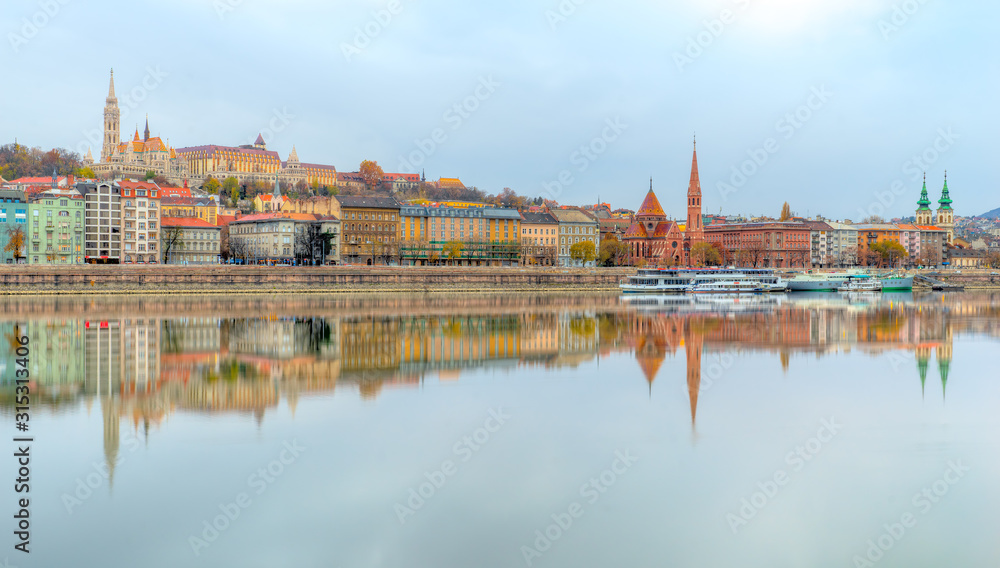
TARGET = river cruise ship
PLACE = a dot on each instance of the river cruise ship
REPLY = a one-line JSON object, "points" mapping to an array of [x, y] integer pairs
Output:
{"points": [[832, 281], [681, 280]]}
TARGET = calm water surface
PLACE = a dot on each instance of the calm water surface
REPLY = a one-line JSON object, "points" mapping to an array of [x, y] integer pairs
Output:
{"points": [[503, 431]]}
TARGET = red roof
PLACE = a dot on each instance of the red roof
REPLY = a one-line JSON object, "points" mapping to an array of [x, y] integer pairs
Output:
{"points": [[651, 206], [175, 191], [193, 222], [223, 220], [636, 231]]}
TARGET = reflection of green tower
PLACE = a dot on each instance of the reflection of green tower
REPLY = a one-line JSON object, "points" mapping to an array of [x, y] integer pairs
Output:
{"points": [[923, 358], [944, 365]]}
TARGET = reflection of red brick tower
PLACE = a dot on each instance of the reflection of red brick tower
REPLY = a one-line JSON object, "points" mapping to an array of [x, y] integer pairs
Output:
{"points": [[693, 343], [694, 232]]}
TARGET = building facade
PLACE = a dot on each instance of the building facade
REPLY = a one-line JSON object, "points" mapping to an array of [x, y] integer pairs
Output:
{"points": [[842, 243], [56, 220], [203, 207], [140, 215], [190, 240], [575, 227], [370, 228], [465, 236], [764, 245], [102, 226], [539, 239]]}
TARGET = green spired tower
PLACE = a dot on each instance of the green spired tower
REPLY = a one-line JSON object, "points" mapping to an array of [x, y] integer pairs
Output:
{"points": [[945, 215], [924, 212]]}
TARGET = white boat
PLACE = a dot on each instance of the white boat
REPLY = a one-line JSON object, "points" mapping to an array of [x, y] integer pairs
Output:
{"points": [[861, 285], [831, 281], [680, 280], [727, 287]]}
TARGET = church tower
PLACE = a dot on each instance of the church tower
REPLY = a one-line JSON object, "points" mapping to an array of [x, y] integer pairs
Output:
{"points": [[694, 232], [145, 136], [945, 215], [112, 121], [924, 206]]}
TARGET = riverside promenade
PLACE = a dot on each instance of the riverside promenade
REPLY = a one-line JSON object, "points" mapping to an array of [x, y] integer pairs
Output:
{"points": [[94, 279]]}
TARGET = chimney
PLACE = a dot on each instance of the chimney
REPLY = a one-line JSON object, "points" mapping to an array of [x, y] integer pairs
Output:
{"points": [[70, 180]]}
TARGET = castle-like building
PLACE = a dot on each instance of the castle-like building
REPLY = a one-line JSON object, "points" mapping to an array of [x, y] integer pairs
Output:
{"points": [[248, 163], [135, 157], [656, 240], [945, 214]]}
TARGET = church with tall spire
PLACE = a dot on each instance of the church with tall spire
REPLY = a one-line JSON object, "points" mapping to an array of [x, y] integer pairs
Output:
{"points": [[135, 157], [944, 217], [654, 239]]}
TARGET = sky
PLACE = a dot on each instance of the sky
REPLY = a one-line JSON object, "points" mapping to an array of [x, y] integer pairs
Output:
{"points": [[836, 106]]}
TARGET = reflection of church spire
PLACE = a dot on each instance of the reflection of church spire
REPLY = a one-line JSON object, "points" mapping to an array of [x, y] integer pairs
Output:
{"points": [[944, 365], [693, 343], [109, 407], [923, 358]]}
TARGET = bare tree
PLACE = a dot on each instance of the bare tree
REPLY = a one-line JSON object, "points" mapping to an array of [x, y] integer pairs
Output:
{"points": [[171, 237]]}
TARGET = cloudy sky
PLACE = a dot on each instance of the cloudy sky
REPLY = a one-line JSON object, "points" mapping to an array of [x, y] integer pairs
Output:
{"points": [[836, 106]]}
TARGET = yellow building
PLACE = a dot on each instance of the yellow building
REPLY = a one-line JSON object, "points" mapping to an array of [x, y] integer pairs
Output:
{"points": [[203, 208], [471, 236]]}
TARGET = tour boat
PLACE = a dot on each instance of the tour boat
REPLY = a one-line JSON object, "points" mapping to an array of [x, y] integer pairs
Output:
{"points": [[680, 280], [861, 285], [727, 287]]}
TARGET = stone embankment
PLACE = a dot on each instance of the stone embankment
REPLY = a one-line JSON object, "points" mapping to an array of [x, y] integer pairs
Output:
{"points": [[253, 279]]}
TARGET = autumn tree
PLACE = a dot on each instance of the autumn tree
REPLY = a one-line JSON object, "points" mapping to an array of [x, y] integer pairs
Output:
{"points": [[86, 173], [15, 242], [452, 250], [613, 253], [786, 212], [888, 252], [584, 252], [704, 254], [873, 220], [372, 174], [211, 186]]}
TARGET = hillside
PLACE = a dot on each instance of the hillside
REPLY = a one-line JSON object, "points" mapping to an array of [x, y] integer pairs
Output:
{"points": [[995, 214]]}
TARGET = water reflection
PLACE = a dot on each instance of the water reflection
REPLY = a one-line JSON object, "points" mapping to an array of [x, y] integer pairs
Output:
{"points": [[144, 359]]}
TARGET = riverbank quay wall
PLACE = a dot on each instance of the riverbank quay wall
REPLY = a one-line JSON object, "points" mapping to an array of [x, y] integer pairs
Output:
{"points": [[256, 279]]}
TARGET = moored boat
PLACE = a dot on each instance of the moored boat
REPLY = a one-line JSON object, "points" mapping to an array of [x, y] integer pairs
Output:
{"points": [[680, 280], [866, 284]]}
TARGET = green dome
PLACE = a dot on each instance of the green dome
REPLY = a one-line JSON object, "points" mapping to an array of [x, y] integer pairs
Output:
{"points": [[924, 202], [945, 201]]}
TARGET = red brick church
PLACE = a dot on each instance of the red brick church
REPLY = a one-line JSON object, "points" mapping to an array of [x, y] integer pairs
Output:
{"points": [[655, 240]]}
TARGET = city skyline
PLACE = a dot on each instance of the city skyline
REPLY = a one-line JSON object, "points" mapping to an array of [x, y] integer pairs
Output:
{"points": [[528, 112]]}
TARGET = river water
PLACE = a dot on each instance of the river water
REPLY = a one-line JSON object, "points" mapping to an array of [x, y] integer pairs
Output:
{"points": [[503, 431]]}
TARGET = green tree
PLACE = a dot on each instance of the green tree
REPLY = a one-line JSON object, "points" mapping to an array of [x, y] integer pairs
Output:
{"points": [[211, 186], [150, 174], [86, 173], [229, 185], [583, 252]]}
